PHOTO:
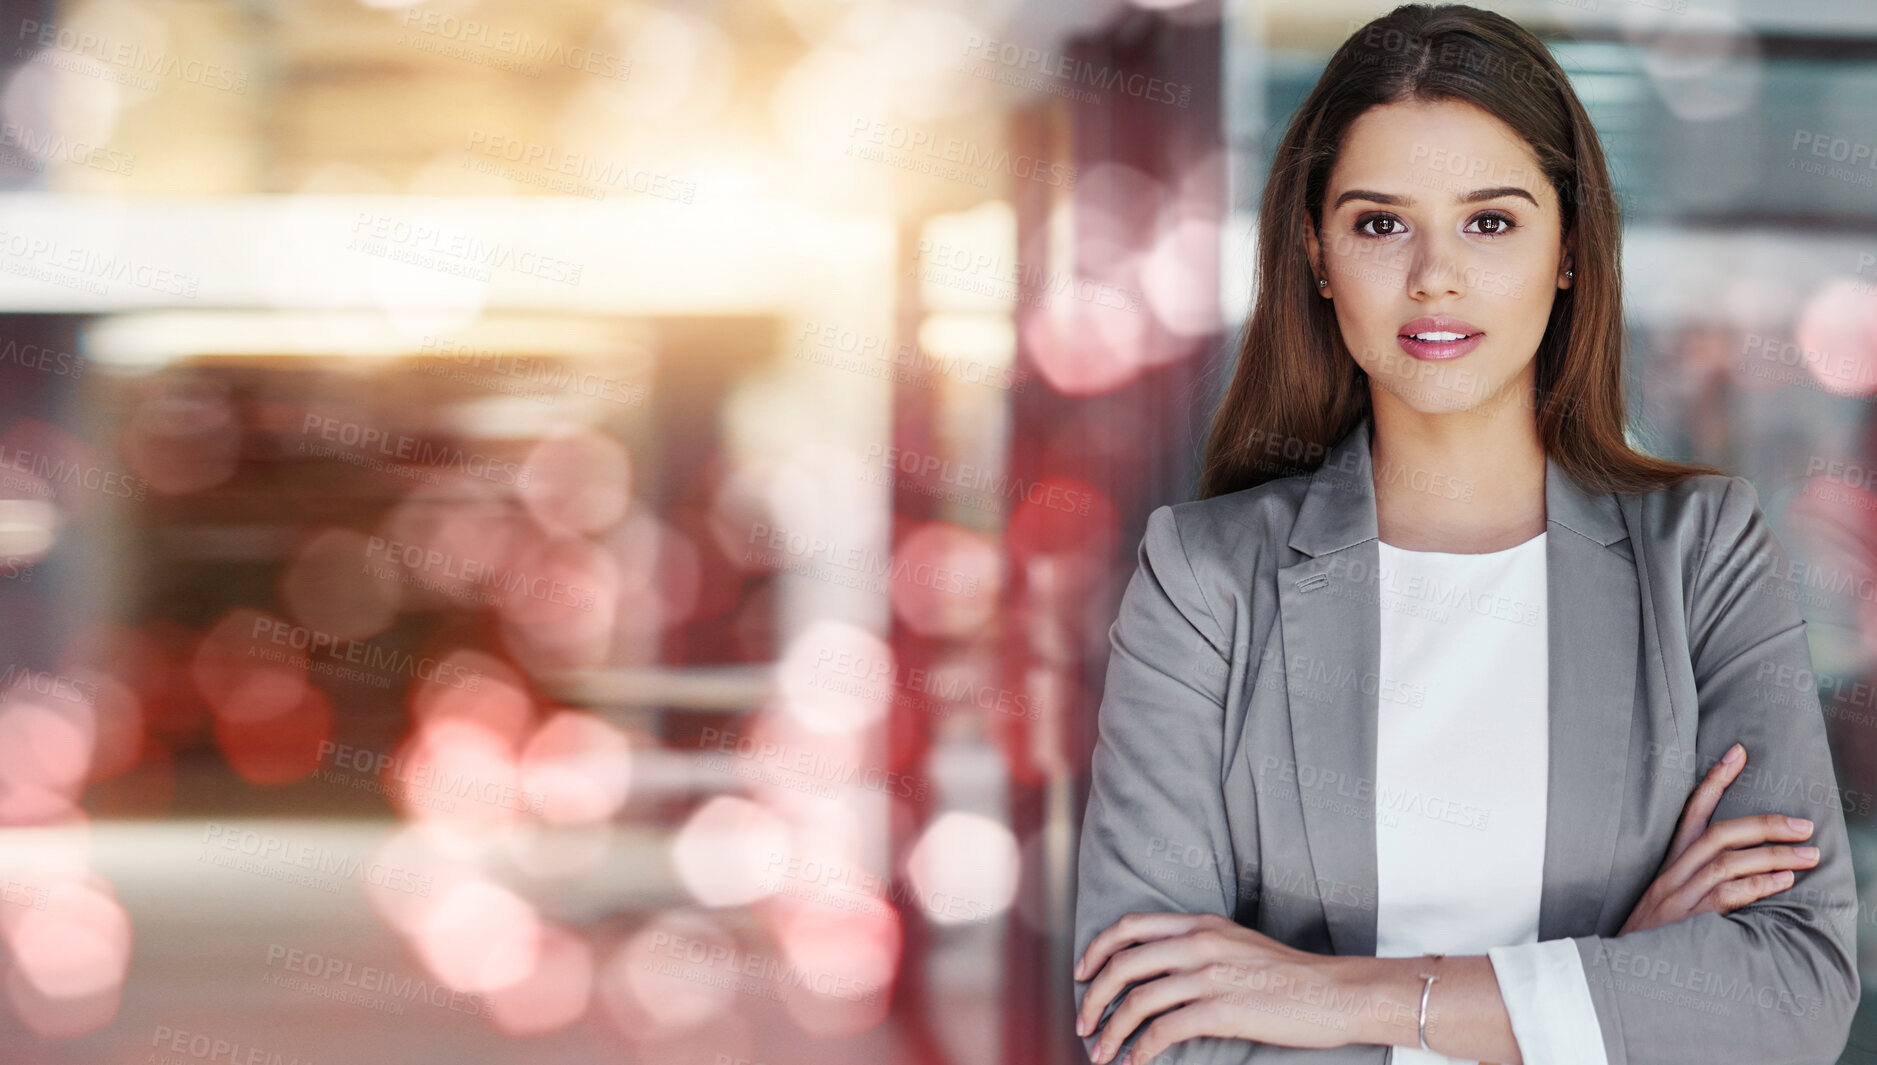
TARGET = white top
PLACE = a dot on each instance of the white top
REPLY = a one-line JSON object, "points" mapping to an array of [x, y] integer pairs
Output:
{"points": [[1462, 772]]}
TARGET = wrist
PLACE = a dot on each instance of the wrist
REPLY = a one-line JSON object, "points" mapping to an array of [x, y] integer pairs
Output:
{"points": [[1385, 996]]}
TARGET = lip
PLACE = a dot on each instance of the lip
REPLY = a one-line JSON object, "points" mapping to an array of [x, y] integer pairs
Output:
{"points": [[1433, 351]]}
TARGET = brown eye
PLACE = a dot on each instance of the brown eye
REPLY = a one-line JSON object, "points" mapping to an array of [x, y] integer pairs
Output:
{"points": [[1364, 222], [1501, 224]]}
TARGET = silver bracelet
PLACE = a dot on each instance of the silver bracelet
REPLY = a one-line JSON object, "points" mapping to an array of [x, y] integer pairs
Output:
{"points": [[1427, 989]]}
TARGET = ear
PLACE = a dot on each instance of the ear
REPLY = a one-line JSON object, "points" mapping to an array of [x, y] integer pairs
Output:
{"points": [[1316, 259], [1566, 262]]}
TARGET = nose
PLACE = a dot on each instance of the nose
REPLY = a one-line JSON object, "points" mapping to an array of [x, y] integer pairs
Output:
{"points": [[1433, 272]]}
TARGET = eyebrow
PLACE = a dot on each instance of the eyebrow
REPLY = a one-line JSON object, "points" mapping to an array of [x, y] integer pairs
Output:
{"points": [[1408, 201]]}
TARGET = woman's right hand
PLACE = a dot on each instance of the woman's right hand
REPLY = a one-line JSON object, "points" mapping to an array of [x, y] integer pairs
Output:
{"points": [[1722, 867]]}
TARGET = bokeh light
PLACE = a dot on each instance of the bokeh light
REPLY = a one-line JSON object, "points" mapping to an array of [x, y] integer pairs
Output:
{"points": [[620, 509]]}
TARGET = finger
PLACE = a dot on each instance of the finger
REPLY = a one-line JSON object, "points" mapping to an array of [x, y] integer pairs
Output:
{"points": [[1732, 833], [1154, 997], [1143, 961], [1707, 795], [1768, 858], [1734, 894], [1202, 1018], [1738, 864], [1131, 929]]}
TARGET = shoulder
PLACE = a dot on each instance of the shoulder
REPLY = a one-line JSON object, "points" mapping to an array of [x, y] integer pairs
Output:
{"points": [[1709, 541], [1704, 515], [1211, 557], [1237, 533]]}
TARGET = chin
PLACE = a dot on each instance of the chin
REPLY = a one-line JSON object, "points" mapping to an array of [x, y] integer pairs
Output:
{"points": [[1432, 399]]}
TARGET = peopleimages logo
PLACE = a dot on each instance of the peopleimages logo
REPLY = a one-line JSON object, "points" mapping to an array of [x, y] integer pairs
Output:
{"points": [[670, 954], [185, 1046], [372, 980], [858, 351], [422, 781], [129, 57], [372, 446], [366, 656], [453, 251], [875, 677], [50, 685], [448, 27], [77, 266], [405, 562], [922, 144], [274, 854], [550, 375], [802, 553], [35, 357], [582, 171], [1067, 68], [62, 471], [29, 149], [807, 764], [982, 482]]}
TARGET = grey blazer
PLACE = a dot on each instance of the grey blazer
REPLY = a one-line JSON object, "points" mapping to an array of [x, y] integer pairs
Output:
{"points": [[1237, 741]]}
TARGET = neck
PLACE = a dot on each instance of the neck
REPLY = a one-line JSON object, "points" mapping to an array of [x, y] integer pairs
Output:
{"points": [[1467, 481]]}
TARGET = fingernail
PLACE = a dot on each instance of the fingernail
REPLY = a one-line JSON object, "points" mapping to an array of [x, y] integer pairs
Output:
{"points": [[1799, 824], [1806, 852], [1081, 1026], [1733, 754]]}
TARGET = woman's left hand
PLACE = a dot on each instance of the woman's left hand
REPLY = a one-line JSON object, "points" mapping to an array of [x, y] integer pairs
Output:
{"points": [[1217, 977]]}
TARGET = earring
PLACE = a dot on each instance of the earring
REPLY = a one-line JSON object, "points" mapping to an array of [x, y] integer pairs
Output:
{"points": [[1570, 273], [1321, 282]]}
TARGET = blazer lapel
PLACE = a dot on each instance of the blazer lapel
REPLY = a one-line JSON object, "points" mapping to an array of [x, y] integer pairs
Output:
{"points": [[1332, 645], [1594, 616]]}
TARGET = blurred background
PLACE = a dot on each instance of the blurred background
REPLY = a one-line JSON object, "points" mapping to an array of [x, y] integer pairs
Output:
{"points": [[575, 530]]}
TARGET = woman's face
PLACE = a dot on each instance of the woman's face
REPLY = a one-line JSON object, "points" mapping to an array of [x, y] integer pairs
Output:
{"points": [[1438, 221]]}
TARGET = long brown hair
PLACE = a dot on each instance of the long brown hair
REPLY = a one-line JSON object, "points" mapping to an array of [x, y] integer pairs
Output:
{"points": [[1296, 389]]}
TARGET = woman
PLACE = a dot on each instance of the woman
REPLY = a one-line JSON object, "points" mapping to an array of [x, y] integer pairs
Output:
{"points": [[1400, 742]]}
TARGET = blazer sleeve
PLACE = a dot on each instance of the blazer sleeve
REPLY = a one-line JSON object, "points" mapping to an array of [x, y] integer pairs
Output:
{"points": [[1154, 835], [1774, 982]]}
